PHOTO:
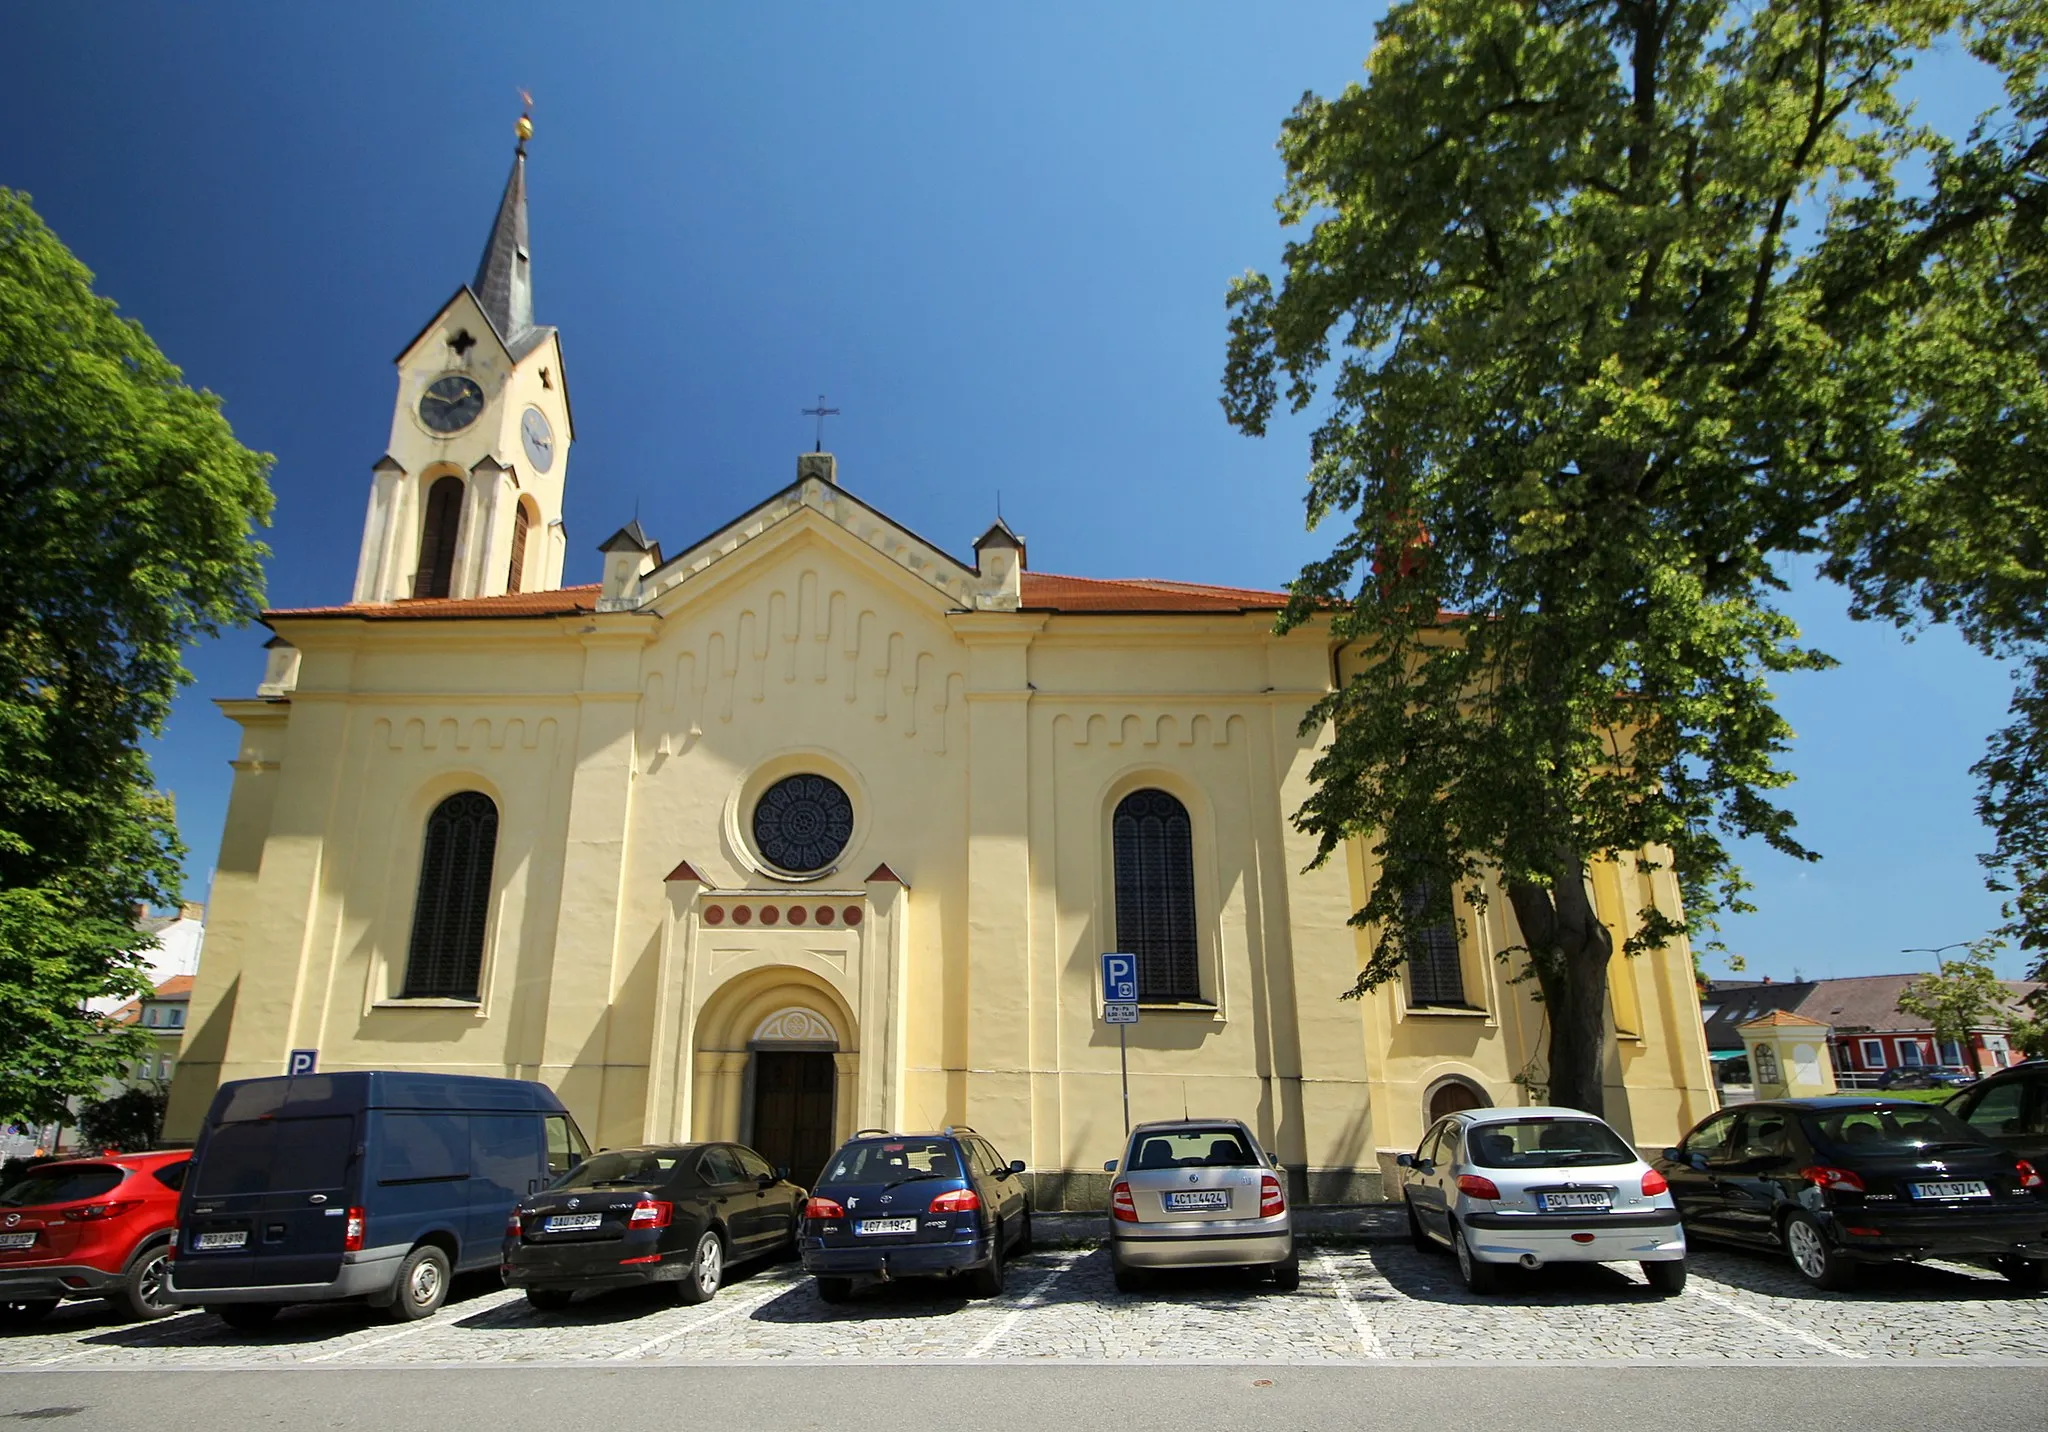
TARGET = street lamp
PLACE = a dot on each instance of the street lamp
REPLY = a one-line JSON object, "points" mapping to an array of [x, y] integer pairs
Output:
{"points": [[1921, 950]]}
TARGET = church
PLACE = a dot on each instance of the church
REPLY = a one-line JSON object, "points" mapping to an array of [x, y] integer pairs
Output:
{"points": [[808, 825]]}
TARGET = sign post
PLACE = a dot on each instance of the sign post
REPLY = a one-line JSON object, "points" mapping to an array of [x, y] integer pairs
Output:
{"points": [[1120, 1008]]}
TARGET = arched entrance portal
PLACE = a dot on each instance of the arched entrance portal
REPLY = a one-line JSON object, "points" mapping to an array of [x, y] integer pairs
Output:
{"points": [[794, 1075], [1453, 1095]]}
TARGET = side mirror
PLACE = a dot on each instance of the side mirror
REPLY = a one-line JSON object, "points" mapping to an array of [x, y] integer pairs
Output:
{"points": [[1109, 1166], [1671, 1156], [766, 1180], [1016, 1167], [1404, 1161], [782, 1171]]}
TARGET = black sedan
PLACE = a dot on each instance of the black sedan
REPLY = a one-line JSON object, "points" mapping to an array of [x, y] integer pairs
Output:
{"points": [[1845, 1181], [670, 1213]]}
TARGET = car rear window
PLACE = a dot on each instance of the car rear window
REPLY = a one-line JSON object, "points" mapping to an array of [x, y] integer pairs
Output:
{"points": [[1890, 1129], [1546, 1143], [1220, 1147], [62, 1185], [275, 1155], [628, 1166], [893, 1160]]}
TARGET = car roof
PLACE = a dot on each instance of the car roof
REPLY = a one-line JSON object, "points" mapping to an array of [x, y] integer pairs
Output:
{"points": [[1155, 1125], [145, 1157], [1539, 1111]]}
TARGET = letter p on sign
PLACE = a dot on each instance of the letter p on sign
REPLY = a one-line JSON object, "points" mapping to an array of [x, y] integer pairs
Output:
{"points": [[1119, 979]]}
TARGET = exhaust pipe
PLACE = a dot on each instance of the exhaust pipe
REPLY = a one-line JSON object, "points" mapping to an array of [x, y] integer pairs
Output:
{"points": [[1530, 1260]]}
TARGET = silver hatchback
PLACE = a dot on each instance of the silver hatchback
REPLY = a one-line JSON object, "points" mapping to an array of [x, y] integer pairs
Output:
{"points": [[1198, 1193], [1532, 1186]]}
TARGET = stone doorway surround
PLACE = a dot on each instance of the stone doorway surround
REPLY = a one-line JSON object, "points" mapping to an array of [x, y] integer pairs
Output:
{"points": [[730, 960]]}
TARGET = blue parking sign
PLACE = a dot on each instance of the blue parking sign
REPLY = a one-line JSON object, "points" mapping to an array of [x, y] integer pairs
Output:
{"points": [[302, 1061], [1119, 979]]}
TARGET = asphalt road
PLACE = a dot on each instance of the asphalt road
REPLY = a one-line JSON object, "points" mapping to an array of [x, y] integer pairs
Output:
{"points": [[1889, 1398]]}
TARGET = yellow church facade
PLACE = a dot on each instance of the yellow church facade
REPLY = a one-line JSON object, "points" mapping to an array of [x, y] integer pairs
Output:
{"points": [[815, 826]]}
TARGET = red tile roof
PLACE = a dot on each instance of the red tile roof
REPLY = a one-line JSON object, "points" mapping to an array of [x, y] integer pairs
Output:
{"points": [[171, 988], [1043, 591]]}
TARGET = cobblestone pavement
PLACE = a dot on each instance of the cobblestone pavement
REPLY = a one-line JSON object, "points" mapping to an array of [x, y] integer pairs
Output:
{"points": [[1384, 1302]]}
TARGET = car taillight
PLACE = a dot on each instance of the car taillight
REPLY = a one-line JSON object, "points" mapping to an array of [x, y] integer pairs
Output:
{"points": [[102, 1210], [1840, 1180], [651, 1213], [1122, 1207], [1473, 1186], [823, 1208], [1655, 1183], [514, 1228], [960, 1200], [352, 1236], [1272, 1202], [2030, 1177]]}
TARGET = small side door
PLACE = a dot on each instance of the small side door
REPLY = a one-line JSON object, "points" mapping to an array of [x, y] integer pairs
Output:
{"points": [[1692, 1174], [565, 1149], [1005, 1187], [507, 1153], [420, 1161], [734, 1198], [1428, 1177], [774, 1216], [1761, 1155]]}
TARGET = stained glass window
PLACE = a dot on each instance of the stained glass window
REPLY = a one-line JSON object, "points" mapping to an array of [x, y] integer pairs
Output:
{"points": [[802, 824], [1155, 895], [446, 958]]}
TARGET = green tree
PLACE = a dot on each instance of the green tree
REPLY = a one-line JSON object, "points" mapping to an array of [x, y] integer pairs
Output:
{"points": [[1583, 392], [127, 1123], [1963, 995], [130, 511]]}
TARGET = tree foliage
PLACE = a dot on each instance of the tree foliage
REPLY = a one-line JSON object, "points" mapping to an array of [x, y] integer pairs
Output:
{"points": [[130, 511], [1962, 995], [1584, 386], [127, 1123]]}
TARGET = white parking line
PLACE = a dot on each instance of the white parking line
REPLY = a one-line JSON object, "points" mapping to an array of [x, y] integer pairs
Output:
{"points": [[1030, 1300], [419, 1327], [49, 1361], [1368, 1340], [1778, 1325], [732, 1311]]}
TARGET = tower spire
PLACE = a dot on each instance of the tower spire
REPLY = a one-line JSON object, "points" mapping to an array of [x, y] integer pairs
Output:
{"points": [[504, 276]]}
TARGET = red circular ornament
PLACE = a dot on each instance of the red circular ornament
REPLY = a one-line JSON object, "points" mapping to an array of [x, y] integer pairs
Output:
{"points": [[797, 914], [770, 915], [852, 914], [742, 915], [824, 914], [714, 914]]}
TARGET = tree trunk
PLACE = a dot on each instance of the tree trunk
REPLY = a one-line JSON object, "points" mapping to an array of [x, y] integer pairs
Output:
{"points": [[1568, 950], [1969, 1043]]}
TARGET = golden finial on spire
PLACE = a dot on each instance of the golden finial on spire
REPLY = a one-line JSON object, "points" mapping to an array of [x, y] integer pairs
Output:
{"points": [[525, 125]]}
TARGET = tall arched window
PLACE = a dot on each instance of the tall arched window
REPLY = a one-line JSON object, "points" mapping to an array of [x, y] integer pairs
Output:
{"points": [[437, 539], [1155, 894], [446, 957], [1435, 976], [522, 518]]}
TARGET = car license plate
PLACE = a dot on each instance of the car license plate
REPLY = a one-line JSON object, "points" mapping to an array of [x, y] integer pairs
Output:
{"points": [[1200, 1198], [1593, 1202], [17, 1240], [570, 1222], [886, 1225], [1952, 1188], [222, 1240]]}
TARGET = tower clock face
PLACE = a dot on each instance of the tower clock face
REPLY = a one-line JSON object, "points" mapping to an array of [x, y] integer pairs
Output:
{"points": [[539, 439], [451, 403]]}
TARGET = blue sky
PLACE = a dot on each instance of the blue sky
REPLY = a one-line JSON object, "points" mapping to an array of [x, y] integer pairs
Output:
{"points": [[997, 238]]}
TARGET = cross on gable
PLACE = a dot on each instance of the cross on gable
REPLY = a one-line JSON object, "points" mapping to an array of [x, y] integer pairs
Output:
{"points": [[545, 380], [461, 342]]}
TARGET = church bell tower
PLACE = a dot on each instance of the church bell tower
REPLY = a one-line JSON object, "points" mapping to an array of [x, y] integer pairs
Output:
{"points": [[467, 499]]}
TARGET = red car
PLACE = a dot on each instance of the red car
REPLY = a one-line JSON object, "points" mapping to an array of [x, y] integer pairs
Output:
{"points": [[90, 1228]]}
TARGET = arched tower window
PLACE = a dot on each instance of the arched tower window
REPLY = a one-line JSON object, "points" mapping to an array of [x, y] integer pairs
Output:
{"points": [[1155, 894], [1435, 976], [522, 518], [437, 539], [446, 957]]}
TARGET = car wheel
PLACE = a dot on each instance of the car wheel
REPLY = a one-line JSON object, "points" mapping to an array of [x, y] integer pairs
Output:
{"points": [[834, 1290], [1287, 1272], [246, 1317], [1422, 1241], [20, 1312], [1480, 1278], [549, 1300], [2022, 1272], [1818, 1261], [706, 1270], [987, 1280], [421, 1286], [142, 1291], [1667, 1279]]}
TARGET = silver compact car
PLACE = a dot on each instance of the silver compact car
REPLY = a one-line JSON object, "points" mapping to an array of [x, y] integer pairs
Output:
{"points": [[1198, 1193], [1532, 1186]]}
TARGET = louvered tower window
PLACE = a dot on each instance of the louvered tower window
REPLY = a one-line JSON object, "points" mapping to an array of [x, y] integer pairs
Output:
{"points": [[446, 958], [1434, 975], [520, 521], [1155, 895], [437, 539]]}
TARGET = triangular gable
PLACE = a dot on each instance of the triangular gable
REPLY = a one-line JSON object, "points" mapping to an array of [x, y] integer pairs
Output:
{"points": [[942, 573], [473, 318]]}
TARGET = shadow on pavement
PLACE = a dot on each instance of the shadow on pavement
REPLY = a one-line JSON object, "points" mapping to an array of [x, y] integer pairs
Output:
{"points": [[297, 1324], [1433, 1278], [1772, 1274]]}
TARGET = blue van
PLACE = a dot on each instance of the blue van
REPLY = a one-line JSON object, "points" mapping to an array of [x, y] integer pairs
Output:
{"points": [[377, 1185]]}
